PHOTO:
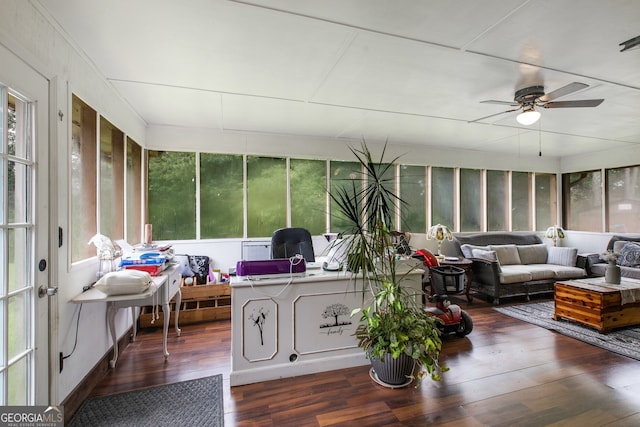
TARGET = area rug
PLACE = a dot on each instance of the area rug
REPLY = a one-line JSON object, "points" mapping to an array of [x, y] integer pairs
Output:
{"points": [[189, 403], [624, 341]]}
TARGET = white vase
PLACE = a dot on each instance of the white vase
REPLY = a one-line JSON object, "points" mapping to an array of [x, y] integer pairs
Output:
{"points": [[612, 273]]}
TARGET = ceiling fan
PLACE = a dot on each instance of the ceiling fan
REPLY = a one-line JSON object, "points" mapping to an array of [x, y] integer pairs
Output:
{"points": [[528, 98]]}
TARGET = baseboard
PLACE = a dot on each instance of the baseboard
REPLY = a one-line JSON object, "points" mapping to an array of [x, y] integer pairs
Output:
{"points": [[84, 388]]}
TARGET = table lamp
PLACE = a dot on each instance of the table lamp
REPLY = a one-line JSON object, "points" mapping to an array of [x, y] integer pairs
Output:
{"points": [[439, 232], [556, 232]]}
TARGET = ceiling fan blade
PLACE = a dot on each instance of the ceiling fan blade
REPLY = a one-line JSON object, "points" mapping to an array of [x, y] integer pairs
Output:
{"points": [[493, 115], [564, 90], [572, 104], [491, 101]]}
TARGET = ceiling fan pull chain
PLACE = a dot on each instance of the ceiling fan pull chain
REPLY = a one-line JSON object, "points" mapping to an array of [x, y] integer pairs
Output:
{"points": [[539, 139]]}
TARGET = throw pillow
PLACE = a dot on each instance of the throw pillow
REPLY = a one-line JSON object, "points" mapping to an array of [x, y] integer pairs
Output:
{"points": [[618, 245], [467, 249], [482, 254], [487, 255], [124, 282], [507, 254], [533, 254], [630, 255], [562, 256]]}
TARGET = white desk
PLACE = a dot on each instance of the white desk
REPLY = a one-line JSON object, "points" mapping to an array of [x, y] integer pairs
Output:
{"points": [[284, 328], [164, 287]]}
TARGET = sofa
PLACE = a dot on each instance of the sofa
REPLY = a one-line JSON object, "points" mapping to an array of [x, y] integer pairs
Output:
{"points": [[629, 261], [508, 264]]}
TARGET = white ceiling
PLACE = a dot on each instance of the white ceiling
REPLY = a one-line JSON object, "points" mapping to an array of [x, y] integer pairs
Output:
{"points": [[407, 71]]}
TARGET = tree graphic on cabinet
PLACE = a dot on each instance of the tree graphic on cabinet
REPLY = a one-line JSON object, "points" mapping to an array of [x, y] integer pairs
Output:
{"points": [[258, 320], [335, 311]]}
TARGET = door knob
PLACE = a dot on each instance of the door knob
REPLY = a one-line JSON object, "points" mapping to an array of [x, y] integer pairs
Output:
{"points": [[46, 292]]}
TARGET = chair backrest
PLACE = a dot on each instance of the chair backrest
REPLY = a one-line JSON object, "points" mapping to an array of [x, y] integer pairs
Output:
{"points": [[288, 242]]}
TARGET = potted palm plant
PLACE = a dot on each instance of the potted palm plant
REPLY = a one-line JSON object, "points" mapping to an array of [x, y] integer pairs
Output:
{"points": [[394, 329]]}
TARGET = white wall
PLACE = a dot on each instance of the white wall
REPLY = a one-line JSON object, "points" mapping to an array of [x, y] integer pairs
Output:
{"points": [[30, 35]]}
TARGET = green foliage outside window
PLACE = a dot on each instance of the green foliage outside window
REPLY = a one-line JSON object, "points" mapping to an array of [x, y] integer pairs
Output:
{"points": [[266, 195], [172, 190], [623, 191], [470, 199], [520, 205], [497, 200], [308, 190], [342, 173], [584, 201], [546, 201], [221, 200], [413, 190], [442, 196]]}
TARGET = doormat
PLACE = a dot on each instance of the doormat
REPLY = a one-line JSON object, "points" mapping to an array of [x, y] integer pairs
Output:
{"points": [[189, 403]]}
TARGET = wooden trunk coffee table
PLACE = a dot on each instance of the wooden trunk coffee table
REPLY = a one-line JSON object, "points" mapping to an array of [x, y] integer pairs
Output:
{"points": [[600, 305]]}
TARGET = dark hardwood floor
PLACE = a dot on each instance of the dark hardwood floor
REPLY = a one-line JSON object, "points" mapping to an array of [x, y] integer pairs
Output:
{"points": [[505, 373]]}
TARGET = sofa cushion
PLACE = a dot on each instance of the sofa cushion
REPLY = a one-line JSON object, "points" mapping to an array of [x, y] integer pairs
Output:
{"points": [[630, 255], [539, 271], [507, 254], [513, 274], [467, 249], [562, 256], [532, 254], [563, 272]]}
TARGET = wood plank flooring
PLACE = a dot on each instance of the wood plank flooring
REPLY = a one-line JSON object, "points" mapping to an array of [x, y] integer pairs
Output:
{"points": [[505, 373]]}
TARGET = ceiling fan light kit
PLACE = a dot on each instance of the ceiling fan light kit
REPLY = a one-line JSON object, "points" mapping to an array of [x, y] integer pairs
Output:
{"points": [[526, 99], [528, 117]]}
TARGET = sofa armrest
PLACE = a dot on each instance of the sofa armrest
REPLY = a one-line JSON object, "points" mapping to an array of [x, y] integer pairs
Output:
{"points": [[486, 272], [586, 260]]}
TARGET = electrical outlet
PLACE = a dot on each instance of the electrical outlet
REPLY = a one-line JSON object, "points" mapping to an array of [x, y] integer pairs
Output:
{"points": [[61, 357]]}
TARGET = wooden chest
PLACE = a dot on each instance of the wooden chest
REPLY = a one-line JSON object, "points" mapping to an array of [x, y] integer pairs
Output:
{"points": [[594, 303]]}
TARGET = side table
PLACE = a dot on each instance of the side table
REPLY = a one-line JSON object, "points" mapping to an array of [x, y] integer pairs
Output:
{"points": [[465, 264]]}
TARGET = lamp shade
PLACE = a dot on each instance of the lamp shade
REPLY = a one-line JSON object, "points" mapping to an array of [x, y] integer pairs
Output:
{"points": [[439, 232], [528, 117], [555, 232]]}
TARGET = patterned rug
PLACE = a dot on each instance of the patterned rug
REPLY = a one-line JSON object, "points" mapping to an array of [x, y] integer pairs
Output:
{"points": [[189, 403], [624, 341]]}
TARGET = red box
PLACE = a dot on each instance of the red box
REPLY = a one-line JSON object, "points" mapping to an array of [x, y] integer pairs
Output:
{"points": [[153, 270]]}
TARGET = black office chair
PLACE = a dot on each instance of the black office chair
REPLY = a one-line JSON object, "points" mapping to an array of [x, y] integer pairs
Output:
{"points": [[288, 242]]}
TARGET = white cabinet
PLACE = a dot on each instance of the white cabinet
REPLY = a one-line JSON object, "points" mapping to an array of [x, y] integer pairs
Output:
{"points": [[286, 327]]}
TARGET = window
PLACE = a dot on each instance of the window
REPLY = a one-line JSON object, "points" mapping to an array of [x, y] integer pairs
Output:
{"points": [[83, 192], [546, 201], [134, 192], [442, 196], [111, 180], [342, 174], [497, 201], [413, 190], [623, 199], [521, 201], [308, 190], [221, 201], [583, 200], [266, 195], [470, 199], [172, 194]]}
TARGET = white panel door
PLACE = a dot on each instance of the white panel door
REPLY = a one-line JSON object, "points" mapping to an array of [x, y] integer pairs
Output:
{"points": [[24, 228]]}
